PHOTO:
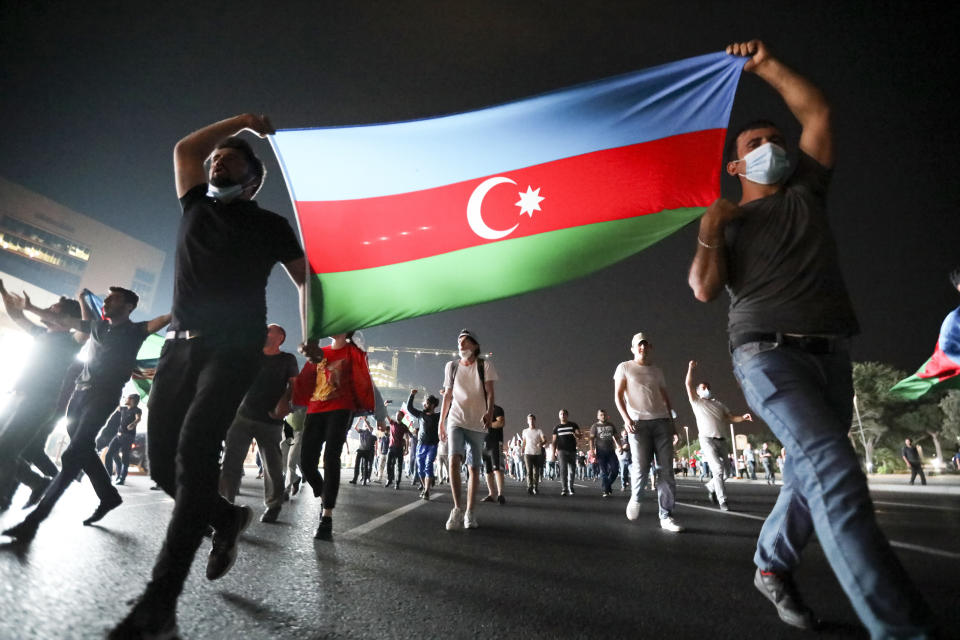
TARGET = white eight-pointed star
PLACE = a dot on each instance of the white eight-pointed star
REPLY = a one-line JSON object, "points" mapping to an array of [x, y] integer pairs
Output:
{"points": [[529, 201]]}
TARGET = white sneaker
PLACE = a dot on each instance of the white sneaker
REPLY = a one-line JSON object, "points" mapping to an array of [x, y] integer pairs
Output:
{"points": [[633, 510], [670, 524], [469, 521], [455, 521]]}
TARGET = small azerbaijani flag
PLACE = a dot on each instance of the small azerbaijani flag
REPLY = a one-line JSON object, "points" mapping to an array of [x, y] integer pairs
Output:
{"points": [[411, 218], [942, 370]]}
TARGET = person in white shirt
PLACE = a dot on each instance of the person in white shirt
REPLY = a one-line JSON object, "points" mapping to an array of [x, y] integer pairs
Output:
{"points": [[641, 397], [712, 417], [466, 413], [532, 446]]}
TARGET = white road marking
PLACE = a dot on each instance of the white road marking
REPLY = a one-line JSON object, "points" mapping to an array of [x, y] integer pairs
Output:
{"points": [[386, 518], [893, 543], [916, 506]]}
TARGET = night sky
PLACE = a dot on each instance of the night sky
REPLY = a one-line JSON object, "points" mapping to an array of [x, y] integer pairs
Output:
{"points": [[93, 96]]}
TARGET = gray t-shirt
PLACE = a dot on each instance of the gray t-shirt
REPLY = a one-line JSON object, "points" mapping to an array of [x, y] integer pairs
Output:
{"points": [[784, 275], [603, 437], [711, 417]]}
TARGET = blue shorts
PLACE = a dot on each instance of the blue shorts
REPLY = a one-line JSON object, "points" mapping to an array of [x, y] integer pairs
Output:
{"points": [[460, 439]]}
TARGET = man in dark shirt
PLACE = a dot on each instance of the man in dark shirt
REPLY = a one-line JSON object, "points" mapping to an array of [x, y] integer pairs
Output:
{"points": [[365, 450], [399, 436], [493, 457], [114, 343], [790, 324], [261, 416], [911, 456], [118, 451], [604, 441], [31, 412], [428, 440], [226, 248], [565, 436]]}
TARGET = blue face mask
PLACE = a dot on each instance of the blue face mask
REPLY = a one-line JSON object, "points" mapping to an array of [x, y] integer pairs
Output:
{"points": [[767, 164], [224, 194]]}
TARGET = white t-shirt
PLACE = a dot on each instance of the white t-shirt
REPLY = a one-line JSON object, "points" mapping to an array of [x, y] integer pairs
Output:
{"points": [[469, 403], [644, 399], [711, 417], [531, 441]]}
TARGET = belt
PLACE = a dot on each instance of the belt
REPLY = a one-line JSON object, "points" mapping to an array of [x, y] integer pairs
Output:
{"points": [[183, 335], [811, 344]]}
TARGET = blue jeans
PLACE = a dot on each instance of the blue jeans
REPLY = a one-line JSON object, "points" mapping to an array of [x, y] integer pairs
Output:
{"points": [[806, 399], [609, 469], [426, 454]]}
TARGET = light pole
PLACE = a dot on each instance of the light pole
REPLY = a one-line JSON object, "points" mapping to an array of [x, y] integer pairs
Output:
{"points": [[686, 430]]}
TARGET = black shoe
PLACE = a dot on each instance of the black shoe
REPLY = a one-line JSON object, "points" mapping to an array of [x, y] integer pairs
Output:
{"points": [[23, 532], [120, 481], [37, 492], [270, 515], [147, 620], [155, 487], [501, 500], [396, 487], [223, 551], [296, 487], [488, 498], [102, 510], [325, 528], [354, 481], [426, 494], [780, 590], [529, 491]]}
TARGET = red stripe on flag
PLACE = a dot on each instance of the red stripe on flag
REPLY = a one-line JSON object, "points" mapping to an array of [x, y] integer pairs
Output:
{"points": [[614, 184], [939, 367]]}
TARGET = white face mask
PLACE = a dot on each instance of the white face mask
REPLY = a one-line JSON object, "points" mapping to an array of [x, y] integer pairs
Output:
{"points": [[224, 194], [465, 354], [704, 393], [767, 164]]}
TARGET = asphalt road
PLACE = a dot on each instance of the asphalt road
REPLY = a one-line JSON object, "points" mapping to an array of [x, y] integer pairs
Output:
{"points": [[538, 567]]}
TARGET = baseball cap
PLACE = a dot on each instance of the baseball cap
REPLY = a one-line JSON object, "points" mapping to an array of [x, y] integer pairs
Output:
{"points": [[467, 333], [638, 338]]}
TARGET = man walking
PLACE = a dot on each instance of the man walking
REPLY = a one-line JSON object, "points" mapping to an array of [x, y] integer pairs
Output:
{"points": [[712, 417], [493, 457], [790, 320], [750, 460], [365, 449], [114, 343], [399, 439], [429, 438], [260, 418], [911, 456], [604, 443], [226, 248], [118, 451], [533, 440], [641, 395], [766, 459], [466, 412], [565, 436]]}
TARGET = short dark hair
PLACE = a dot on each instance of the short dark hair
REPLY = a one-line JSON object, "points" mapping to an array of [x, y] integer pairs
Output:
{"points": [[530, 415], [759, 123], [70, 307], [255, 163], [433, 400], [128, 296], [135, 397], [282, 330]]}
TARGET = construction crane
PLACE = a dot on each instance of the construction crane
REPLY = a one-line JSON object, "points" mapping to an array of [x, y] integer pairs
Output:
{"points": [[417, 351]]}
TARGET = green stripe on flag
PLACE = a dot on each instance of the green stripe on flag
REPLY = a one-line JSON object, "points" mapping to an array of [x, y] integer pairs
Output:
{"points": [[371, 297]]}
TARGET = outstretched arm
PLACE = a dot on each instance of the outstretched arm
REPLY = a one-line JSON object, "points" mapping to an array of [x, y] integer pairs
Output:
{"points": [[691, 387], [158, 323], [14, 306], [805, 101], [192, 151]]}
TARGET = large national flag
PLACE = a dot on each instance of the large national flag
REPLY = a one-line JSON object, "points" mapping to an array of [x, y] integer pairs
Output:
{"points": [[405, 219], [942, 370]]}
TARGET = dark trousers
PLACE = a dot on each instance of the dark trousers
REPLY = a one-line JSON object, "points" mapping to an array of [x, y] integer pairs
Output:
{"points": [[609, 469], [327, 429], [363, 464], [394, 460], [917, 469], [118, 455], [26, 417], [198, 386], [532, 465], [87, 411], [568, 468]]}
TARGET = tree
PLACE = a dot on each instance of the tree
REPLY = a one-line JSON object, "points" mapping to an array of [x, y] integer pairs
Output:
{"points": [[923, 417], [871, 386], [950, 406]]}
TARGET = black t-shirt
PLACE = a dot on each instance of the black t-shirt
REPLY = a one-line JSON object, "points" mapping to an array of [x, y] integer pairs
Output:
{"points": [[112, 354], [566, 441], [127, 417], [268, 387], [367, 440], [494, 438], [911, 454], [784, 273], [430, 424], [50, 357], [602, 433], [225, 253]]}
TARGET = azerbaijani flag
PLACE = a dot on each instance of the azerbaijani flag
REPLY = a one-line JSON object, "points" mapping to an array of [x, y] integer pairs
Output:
{"points": [[942, 370], [405, 219]]}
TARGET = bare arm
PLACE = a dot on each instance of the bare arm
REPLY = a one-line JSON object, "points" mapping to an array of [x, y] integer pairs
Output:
{"points": [[744, 418], [14, 306], [691, 387], [708, 272], [804, 99], [620, 398], [297, 270], [488, 416], [192, 151], [159, 323], [444, 410]]}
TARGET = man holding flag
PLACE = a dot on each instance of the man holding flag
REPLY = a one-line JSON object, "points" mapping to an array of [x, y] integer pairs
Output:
{"points": [[790, 321], [226, 247]]}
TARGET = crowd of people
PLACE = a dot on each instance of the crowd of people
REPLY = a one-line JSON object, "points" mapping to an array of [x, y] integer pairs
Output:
{"points": [[222, 382]]}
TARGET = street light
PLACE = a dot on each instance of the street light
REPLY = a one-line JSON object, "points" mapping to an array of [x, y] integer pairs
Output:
{"points": [[686, 430]]}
